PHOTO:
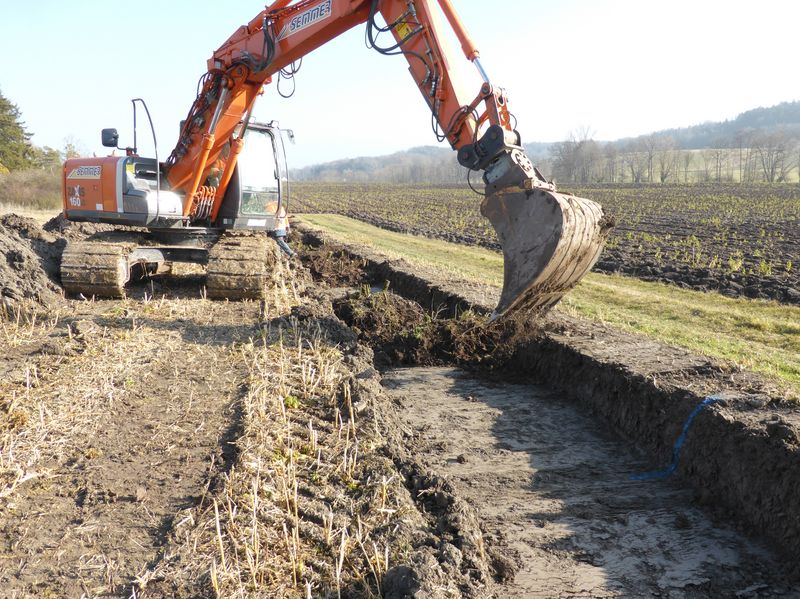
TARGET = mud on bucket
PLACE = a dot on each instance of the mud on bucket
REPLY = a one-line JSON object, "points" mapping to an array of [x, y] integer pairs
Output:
{"points": [[550, 241]]}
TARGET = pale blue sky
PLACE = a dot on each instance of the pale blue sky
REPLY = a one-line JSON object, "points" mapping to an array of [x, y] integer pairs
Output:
{"points": [[617, 67]]}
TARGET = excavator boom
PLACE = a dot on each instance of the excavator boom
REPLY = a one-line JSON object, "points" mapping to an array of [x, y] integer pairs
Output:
{"points": [[550, 240]]}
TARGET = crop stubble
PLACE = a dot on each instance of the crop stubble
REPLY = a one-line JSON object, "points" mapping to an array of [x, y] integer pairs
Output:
{"points": [[189, 462]]}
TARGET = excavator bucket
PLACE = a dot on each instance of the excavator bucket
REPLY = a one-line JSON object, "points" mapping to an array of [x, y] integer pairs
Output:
{"points": [[550, 240]]}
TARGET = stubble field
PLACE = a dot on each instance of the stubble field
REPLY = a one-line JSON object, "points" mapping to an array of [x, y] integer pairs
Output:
{"points": [[333, 441]]}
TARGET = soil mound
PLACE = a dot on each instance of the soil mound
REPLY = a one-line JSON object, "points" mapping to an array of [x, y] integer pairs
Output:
{"points": [[404, 334], [29, 263], [74, 230]]}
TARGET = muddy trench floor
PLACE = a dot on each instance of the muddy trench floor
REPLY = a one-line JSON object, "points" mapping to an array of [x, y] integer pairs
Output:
{"points": [[548, 484], [551, 488]]}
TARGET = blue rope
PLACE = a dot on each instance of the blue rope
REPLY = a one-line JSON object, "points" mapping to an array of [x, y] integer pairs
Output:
{"points": [[676, 450]]}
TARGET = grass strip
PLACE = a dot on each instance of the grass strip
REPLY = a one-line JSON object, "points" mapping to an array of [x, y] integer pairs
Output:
{"points": [[763, 336]]}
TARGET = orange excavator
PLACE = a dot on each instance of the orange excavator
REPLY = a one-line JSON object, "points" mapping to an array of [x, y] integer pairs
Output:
{"points": [[227, 169]]}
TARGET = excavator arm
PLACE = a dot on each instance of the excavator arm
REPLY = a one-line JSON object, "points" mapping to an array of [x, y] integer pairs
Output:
{"points": [[549, 239]]}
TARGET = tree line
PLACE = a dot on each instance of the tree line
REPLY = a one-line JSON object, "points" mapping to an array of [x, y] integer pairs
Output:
{"points": [[762, 144], [762, 155], [758, 156], [17, 153]]}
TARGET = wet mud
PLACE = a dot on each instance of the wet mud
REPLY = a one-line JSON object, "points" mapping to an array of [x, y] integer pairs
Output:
{"points": [[551, 488]]}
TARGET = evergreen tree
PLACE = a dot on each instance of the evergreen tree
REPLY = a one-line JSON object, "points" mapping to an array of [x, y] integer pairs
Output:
{"points": [[15, 148], [45, 158]]}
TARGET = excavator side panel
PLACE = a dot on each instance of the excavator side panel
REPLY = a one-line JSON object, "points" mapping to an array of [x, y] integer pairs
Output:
{"points": [[91, 185]]}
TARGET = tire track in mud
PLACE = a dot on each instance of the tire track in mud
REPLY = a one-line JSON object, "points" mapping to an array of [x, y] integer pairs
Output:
{"points": [[551, 487], [103, 510]]}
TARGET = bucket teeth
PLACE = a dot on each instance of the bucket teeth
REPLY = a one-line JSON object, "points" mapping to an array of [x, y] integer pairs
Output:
{"points": [[550, 240]]}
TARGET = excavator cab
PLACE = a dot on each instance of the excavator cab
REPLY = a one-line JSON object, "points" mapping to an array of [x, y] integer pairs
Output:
{"points": [[142, 197], [259, 189]]}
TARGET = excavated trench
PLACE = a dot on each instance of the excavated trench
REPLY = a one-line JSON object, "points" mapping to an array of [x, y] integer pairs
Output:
{"points": [[548, 468], [551, 489]]}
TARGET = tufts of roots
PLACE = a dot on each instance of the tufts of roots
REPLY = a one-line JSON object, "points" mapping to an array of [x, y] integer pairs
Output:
{"points": [[402, 333]]}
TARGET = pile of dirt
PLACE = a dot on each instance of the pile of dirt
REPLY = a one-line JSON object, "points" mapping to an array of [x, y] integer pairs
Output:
{"points": [[29, 263], [334, 265], [402, 333], [74, 230]]}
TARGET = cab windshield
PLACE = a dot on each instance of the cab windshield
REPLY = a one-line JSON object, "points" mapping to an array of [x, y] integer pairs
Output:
{"points": [[258, 174]]}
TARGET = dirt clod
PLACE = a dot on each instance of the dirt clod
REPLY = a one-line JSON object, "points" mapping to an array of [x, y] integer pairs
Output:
{"points": [[59, 225], [402, 333], [29, 263]]}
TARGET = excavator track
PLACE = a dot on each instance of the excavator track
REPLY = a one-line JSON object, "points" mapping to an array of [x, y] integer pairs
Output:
{"points": [[241, 266], [94, 268]]}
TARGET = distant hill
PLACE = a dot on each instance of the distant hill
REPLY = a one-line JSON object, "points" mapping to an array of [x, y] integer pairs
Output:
{"points": [[423, 164], [437, 164], [726, 134]]}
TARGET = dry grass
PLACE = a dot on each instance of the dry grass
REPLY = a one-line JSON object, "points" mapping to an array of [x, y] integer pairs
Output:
{"points": [[307, 507], [57, 388], [50, 401], [33, 189], [297, 514]]}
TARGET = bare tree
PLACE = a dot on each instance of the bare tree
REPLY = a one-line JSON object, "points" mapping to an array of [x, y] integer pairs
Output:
{"points": [[636, 161], [741, 141], [577, 159], [611, 155], [686, 158], [707, 157], [564, 160], [665, 157], [720, 158], [772, 151], [650, 145]]}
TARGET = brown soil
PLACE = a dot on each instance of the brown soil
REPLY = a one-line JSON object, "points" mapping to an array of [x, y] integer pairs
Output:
{"points": [[435, 546], [29, 263], [58, 225], [139, 446], [30, 259], [334, 266], [740, 457], [402, 333], [103, 500], [785, 287], [140, 405], [550, 488]]}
